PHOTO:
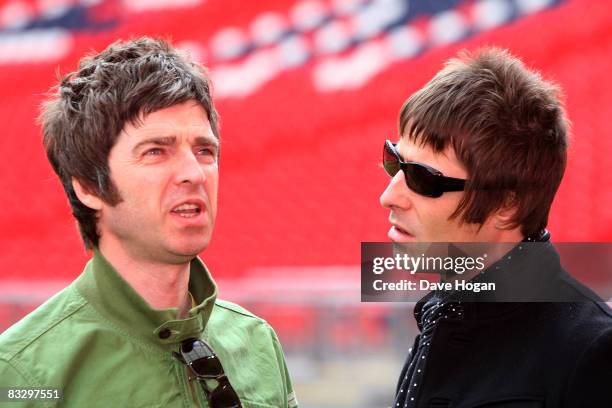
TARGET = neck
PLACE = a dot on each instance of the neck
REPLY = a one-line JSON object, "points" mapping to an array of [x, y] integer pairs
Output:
{"points": [[161, 285], [497, 247]]}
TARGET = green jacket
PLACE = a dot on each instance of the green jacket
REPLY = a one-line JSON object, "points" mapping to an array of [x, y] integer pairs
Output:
{"points": [[103, 346]]}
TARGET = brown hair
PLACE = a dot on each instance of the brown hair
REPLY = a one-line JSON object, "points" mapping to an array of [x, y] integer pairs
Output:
{"points": [[88, 109], [506, 125]]}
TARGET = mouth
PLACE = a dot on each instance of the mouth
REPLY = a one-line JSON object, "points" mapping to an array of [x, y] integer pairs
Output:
{"points": [[189, 209], [398, 234]]}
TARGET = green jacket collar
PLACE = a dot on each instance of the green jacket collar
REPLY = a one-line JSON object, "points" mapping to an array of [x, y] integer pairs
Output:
{"points": [[117, 302]]}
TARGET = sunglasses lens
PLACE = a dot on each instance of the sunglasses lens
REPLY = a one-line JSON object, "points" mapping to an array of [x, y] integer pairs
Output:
{"points": [[194, 349], [224, 396], [207, 367], [418, 178], [390, 161], [421, 181], [198, 355], [203, 361]]}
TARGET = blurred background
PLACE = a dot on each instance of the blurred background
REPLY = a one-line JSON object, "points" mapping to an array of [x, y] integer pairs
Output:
{"points": [[307, 92]]}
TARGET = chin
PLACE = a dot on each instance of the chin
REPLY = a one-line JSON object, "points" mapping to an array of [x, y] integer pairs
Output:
{"points": [[188, 250]]}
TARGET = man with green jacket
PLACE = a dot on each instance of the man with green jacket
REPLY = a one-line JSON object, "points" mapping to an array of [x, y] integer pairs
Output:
{"points": [[133, 137]]}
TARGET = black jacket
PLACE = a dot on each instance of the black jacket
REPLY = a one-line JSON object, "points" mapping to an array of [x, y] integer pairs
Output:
{"points": [[522, 354]]}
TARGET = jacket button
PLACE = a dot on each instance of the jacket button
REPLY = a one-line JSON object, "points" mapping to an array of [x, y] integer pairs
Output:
{"points": [[164, 334]]}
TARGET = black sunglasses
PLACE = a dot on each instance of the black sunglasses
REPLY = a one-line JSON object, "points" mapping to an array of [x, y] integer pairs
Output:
{"points": [[420, 178], [205, 365]]}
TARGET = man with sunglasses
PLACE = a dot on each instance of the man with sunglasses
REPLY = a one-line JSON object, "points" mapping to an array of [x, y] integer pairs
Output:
{"points": [[134, 139], [481, 153]]}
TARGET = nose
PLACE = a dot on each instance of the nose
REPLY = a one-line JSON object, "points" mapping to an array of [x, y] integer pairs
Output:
{"points": [[189, 169], [397, 194]]}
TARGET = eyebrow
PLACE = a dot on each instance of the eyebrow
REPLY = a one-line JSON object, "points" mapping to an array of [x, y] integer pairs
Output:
{"points": [[171, 140], [402, 158]]}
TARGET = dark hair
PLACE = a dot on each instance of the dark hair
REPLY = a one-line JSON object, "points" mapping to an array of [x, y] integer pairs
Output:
{"points": [[506, 125], [88, 109]]}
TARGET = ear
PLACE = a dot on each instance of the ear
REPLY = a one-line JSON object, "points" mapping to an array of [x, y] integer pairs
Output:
{"points": [[503, 216], [88, 199]]}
